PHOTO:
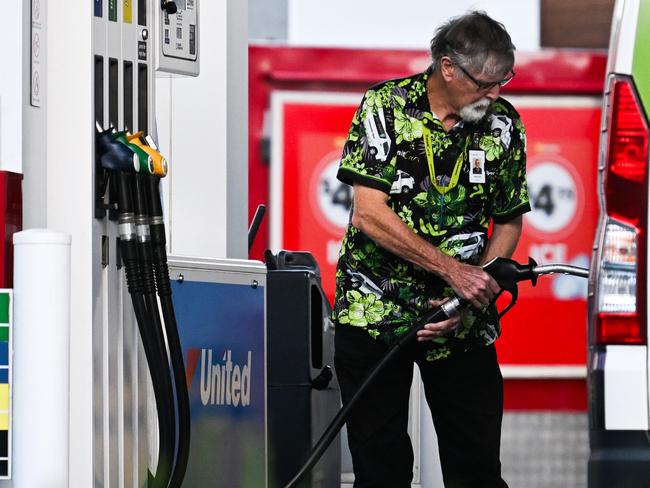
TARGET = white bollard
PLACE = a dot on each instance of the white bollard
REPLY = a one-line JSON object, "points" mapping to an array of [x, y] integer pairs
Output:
{"points": [[41, 362]]}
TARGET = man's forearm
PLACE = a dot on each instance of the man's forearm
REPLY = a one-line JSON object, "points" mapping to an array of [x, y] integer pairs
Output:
{"points": [[503, 241], [385, 227], [378, 221]]}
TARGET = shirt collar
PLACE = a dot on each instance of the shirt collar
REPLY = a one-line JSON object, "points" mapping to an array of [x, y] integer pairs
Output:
{"points": [[422, 101]]}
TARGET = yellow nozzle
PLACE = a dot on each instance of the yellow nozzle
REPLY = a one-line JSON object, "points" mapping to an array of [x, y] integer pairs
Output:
{"points": [[159, 163]]}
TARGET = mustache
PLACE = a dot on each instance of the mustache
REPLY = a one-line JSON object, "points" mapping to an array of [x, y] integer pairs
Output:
{"points": [[481, 104], [475, 111]]}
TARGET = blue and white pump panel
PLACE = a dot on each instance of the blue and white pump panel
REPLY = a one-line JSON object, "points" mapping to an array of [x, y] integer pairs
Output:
{"points": [[221, 313]]}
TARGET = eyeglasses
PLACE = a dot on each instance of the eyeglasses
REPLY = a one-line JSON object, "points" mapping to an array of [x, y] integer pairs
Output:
{"points": [[487, 85]]}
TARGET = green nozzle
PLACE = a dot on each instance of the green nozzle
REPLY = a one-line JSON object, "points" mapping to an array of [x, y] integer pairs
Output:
{"points": [[143, 162]]}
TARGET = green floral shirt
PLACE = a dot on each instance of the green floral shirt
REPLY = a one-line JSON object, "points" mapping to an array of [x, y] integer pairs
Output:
{"points": [[445, 186]]}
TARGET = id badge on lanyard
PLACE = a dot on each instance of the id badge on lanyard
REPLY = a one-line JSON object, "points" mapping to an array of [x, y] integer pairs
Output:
{"points": [[476, 166]]}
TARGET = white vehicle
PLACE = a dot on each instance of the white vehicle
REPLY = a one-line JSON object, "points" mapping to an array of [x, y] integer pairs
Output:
{"points": [[403, 183], [378, 140], [618, 362], [502, 127], [472, 244]]}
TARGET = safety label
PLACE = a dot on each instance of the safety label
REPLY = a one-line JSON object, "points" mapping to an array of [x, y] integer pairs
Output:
{"points": [[36, 50]]}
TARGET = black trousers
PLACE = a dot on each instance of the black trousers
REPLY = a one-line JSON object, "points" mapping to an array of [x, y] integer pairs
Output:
{"points": [[465, 396]]}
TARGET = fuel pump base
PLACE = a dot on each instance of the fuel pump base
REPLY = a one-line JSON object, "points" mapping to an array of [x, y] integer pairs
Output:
{"points": [[303, 395]]}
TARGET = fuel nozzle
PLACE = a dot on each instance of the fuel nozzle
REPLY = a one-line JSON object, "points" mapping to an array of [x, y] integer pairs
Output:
{"points": [[144, 163], [507, 273], [159, 163], [562, 269], [113, 155], [144, 158], [116, 153]]}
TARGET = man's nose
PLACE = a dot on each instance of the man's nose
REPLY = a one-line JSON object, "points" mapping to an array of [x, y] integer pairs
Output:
{"points": [[493, 93]]}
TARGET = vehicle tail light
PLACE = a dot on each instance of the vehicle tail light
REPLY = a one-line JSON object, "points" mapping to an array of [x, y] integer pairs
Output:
{"points": [[622, 276]]}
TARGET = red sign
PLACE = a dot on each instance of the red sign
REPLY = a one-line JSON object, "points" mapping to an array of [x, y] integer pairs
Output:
{"points": [[547, 327], [315, 205]]}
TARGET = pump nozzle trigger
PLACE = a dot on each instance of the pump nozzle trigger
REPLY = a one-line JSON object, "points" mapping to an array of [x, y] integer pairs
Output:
{"points": [[514, 294], [507, 273]]}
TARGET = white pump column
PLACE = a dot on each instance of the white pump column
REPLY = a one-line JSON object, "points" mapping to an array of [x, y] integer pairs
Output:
{"points": [[42, 358], [58, 186]]}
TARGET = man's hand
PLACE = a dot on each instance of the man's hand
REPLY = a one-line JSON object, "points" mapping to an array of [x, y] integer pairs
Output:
{"points": [[438, 329], [473, 284]]}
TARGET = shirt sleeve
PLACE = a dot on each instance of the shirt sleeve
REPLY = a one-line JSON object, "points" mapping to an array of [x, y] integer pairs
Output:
{"points": [[511, 198], [368, 153]]}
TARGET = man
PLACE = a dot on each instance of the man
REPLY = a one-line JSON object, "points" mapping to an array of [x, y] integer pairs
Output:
{"points": [[405, 250]]}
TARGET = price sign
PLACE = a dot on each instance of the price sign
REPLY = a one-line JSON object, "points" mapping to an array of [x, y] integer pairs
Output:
{"points": [[554, 197], [548, 324], [334, 198]]}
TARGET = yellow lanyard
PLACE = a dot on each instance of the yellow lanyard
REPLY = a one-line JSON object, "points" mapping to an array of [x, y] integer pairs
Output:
{"points": [[428, 148]]}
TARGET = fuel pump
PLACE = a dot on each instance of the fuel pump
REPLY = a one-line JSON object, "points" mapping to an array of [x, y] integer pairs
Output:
{"points": [[133, 169], [506, 272]]}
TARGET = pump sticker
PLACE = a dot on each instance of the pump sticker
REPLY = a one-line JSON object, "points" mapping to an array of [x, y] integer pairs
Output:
{"points": [[142, 50], [112, 10], [99, 7], [5, 383], [221, 382], [128, 12]]}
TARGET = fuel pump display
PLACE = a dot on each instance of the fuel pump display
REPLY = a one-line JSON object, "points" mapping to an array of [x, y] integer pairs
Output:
{"points": [[177, 32]]}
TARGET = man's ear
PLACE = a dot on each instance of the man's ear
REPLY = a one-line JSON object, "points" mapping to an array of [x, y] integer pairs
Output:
{"points": [[447, 68]]}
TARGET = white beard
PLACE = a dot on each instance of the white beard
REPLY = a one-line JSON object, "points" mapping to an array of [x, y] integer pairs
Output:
{"points": [[475, 111]]}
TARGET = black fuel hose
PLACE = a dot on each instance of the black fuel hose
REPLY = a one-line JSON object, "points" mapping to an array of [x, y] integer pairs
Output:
{"points": [[130, 258], [438, 314], [145, 255], [163, 284]]}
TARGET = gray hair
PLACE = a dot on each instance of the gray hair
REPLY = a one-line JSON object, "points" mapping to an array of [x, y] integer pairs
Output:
{"points": [[477, 42]]}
